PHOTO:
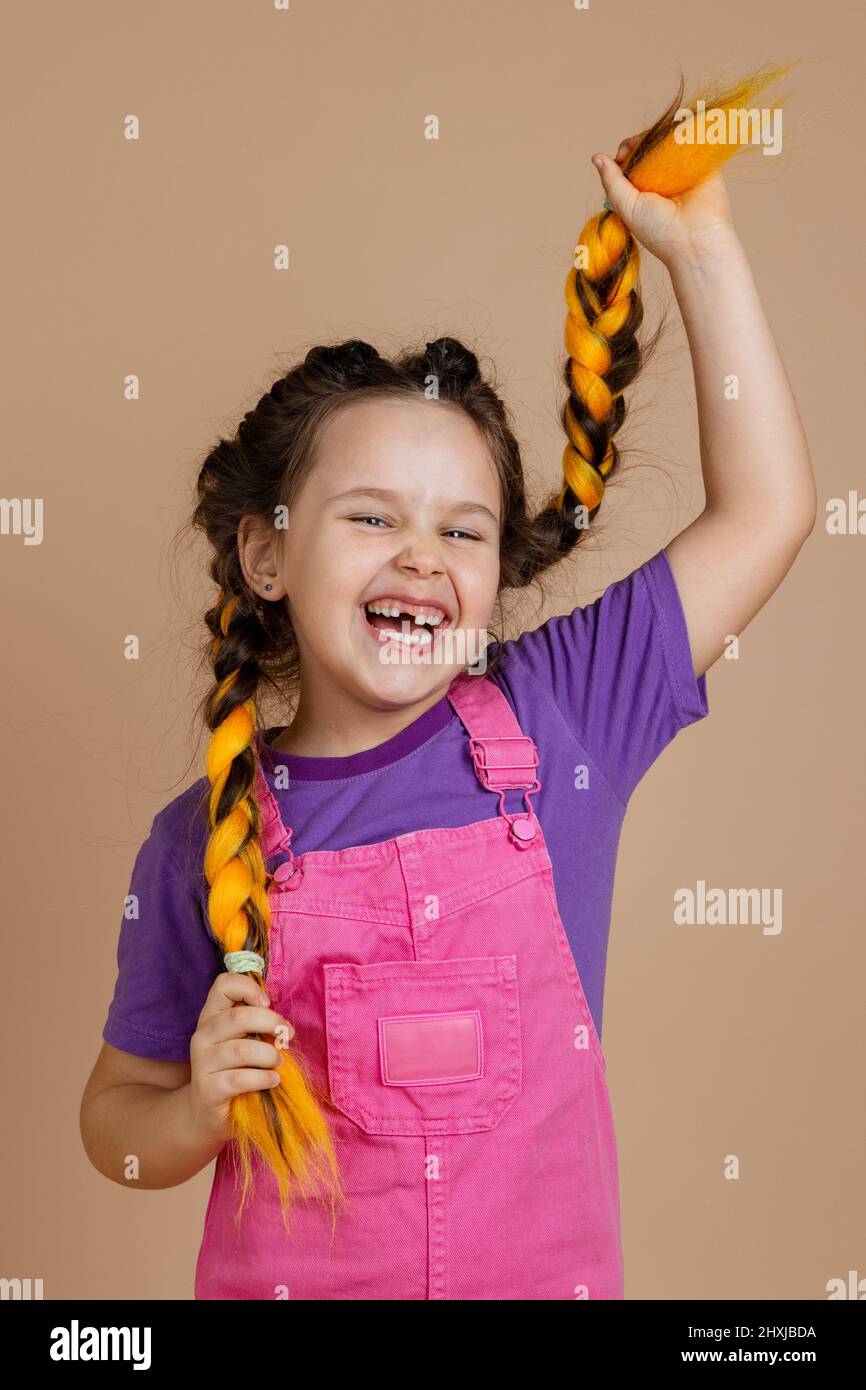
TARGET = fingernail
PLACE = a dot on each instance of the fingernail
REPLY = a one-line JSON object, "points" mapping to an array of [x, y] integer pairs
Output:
{"points": [[597, 160], [263, 999]]}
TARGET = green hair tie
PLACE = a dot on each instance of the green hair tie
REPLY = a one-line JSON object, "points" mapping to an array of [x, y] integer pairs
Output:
{"points": [[242, 962]]}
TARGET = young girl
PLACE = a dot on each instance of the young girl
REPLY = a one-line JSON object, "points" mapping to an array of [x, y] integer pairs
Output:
{"points": [[365, 963]]}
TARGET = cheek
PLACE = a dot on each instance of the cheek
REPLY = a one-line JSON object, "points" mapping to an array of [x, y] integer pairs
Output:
{"points": [[323, 572], [347, 572], [477, 590]]}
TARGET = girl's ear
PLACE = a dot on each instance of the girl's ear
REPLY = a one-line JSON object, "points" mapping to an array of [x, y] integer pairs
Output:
{"points": [[257, 554]]}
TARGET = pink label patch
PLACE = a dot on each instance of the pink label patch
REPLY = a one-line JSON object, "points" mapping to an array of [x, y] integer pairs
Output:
{"points": [[429, 1049]]}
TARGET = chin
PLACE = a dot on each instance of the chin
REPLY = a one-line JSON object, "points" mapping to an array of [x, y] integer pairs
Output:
{"points": [[396, 684]]}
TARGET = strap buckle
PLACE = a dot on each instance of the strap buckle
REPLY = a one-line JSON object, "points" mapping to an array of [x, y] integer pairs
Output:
{"points": [[501, 776], [523, 759]]}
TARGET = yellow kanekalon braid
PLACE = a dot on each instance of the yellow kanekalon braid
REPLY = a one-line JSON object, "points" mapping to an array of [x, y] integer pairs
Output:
{"points": [[602, 292], [284, 1125]]}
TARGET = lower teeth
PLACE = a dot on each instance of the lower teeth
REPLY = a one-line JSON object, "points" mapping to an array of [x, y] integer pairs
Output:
{"points": [[417, 637]]}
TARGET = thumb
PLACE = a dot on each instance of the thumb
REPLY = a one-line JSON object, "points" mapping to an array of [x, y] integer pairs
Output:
{"points": [[621, 195]]}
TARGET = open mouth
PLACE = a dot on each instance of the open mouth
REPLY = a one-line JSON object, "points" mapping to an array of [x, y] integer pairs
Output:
{"points": [[416, 625]]}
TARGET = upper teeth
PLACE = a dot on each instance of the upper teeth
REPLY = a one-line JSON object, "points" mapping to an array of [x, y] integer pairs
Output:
{"points": [[390, 609]]}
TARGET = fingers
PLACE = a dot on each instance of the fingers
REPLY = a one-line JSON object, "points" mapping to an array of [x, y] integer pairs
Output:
{"points": [[244, 1019], [225, 1060], [229, 989], [213, 1058], [221, 1071], [626, 147], [232, 1053], [236, 1005], [620, 193], [223, 1086], [230, 1015]]}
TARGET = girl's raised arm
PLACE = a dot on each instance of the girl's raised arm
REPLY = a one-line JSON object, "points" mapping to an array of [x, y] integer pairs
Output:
{"points": [[760, 490]]}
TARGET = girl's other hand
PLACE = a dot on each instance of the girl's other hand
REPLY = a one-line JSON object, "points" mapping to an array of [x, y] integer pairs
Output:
{"points": [[224, 1061], [691, 224]]}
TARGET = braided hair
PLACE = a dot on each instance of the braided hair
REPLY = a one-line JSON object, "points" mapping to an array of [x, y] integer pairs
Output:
{"points": [[262, 468], [605, 309]]}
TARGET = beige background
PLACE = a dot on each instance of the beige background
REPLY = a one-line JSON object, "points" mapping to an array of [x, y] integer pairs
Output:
{"points": [[155, 257]]}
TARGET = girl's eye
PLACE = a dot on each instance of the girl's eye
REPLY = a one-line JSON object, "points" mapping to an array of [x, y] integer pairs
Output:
{"points": [[452, 531]]}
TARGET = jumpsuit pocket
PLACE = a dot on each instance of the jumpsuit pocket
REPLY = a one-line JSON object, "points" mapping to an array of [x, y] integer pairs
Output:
{"points": [[424, 1046]]}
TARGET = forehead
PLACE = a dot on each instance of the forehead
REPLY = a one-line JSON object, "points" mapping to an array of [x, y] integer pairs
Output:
{"points": [[403, 444]]}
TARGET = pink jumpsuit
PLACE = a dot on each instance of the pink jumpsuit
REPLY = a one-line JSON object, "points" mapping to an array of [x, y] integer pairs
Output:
{"points": [[436, 1001]]}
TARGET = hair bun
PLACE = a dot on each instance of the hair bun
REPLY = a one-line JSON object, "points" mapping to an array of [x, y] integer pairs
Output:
{"points": [[453, 359], [350, 356]]}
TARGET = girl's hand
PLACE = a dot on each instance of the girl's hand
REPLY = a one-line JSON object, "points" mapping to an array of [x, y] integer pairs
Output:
{"points": [[693, 224], [224, 1061]]}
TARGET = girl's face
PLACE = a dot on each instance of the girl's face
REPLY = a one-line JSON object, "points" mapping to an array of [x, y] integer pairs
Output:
{"points": [[400, 511]]}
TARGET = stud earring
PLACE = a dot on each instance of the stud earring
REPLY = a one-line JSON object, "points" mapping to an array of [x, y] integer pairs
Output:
{"points": [[269, 586]]}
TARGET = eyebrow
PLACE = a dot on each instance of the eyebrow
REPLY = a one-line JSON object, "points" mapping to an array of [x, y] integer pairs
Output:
{"points": [[387, 495]]}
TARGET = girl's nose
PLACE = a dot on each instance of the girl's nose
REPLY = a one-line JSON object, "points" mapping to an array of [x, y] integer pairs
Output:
{"points": [[422, 555]]}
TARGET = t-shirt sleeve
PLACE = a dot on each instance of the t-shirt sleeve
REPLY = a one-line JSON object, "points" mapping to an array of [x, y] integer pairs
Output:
{"points": [[620, 670], [166, 958]]}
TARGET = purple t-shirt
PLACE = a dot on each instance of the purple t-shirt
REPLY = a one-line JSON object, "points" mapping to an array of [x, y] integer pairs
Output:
{"points": [[602, 690]]}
